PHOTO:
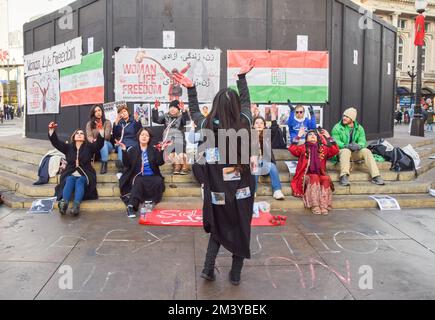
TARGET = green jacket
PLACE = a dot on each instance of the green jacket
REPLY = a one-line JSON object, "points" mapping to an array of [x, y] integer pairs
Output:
{"points": [[341, 135]]}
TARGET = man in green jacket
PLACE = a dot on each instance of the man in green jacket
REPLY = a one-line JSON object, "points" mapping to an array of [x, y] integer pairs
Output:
{"points": [[351, 139]]}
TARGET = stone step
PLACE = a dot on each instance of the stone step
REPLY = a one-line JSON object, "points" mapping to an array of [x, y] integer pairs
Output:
{"points": [[359, 172], [339, 202], [25, 187]]}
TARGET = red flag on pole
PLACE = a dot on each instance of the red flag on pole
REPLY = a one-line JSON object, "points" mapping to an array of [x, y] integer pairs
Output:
{"points": [[419, 30]]}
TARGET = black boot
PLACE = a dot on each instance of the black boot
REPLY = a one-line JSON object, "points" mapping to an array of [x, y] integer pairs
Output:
{"points": [[210, 260], [119, 165], [103, 168], [236, 270], [75, 211], [63, 207]]}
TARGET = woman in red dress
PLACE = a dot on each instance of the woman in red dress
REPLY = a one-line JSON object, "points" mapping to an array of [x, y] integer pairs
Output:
{"points": [[311, 181]]}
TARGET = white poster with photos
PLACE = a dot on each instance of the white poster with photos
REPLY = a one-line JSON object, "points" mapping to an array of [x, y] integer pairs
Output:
{"points": [[386, 203], [144, 113]]}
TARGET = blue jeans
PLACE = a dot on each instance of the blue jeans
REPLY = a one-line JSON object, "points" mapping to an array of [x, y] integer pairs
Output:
{"points": [[274, 175], [105, 151], [76, 185], [119, 151]]}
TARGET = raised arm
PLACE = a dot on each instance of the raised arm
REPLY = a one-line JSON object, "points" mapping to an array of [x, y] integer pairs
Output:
{"points": [[195, 112], [242, 85], [52, 135]]}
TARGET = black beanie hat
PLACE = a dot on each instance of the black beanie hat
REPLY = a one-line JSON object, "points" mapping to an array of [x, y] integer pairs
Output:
{"points": [[175, 104]]}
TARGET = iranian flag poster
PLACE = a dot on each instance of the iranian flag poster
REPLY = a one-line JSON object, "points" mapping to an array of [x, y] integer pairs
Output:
{"points": [[302, 77], [83, 84]]}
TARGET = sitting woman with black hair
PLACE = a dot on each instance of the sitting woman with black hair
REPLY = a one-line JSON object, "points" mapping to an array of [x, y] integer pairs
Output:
{"points": [[97, 122], [142, 180], [175, 121], [311, 181], [79, 176]]}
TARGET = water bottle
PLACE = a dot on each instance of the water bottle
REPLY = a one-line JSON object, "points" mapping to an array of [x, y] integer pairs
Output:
{"points": [[143, 211]]}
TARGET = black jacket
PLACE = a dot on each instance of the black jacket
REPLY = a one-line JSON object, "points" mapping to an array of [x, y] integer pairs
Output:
{"points": [[131, 158], [229, 224], [85, 168]]}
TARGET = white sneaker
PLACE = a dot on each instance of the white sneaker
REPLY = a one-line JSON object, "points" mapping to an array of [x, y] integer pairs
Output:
{"points": [[278, 195]]}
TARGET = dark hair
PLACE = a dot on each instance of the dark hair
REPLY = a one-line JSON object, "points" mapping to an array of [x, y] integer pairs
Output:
{"points": [[93, 118], [319, 141], [142, 130], [227, 109], [123, 107], [74, 134], [259, 118]]}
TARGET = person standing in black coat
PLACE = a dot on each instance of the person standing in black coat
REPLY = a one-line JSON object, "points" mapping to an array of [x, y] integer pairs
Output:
{"points": [[228, 188], [142, 179], [79, 176]]}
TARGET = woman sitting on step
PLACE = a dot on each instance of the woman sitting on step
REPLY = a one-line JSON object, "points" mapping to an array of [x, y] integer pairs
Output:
{"points": [[125, 130], [311, 181], [79, 176], [267, 163], [96, 123], [142, 180]]}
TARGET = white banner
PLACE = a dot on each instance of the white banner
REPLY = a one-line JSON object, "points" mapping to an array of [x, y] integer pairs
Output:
{"points": [[146, 75], [43, 95], [58, 57]]}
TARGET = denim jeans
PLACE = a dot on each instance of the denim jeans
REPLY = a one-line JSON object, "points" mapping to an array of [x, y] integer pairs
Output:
{"points": [[105, 151], [119, 151], [273, 172], [74, 185]]}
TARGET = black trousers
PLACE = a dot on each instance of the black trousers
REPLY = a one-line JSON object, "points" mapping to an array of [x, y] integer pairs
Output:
{"points": [[212, 252]]}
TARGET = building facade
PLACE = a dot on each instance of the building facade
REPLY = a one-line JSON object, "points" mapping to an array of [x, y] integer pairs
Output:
{"points": [[12, 91], [402, 14]]}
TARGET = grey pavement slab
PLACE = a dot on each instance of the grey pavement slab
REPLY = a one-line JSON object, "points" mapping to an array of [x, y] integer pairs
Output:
{"points": [[401, 269], [286, 282], [42, 237], [268, 246], [5, 211], [131, 270], [418, 224], [311, 257], [345, 224], [23, 280]]}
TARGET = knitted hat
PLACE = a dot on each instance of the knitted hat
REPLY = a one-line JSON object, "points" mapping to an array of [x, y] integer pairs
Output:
{"points": [[351, 113], [175, 104]]}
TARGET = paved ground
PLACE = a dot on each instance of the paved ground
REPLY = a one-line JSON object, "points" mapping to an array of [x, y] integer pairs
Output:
{"points": [[12, 127], [112, 257]]}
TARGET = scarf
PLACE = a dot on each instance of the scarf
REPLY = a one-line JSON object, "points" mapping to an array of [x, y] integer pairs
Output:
{"points": [[314, 165]]}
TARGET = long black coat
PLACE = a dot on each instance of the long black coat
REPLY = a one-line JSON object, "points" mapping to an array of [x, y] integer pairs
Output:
{"points": [[229, 224], [131, 158], [85, 168]]}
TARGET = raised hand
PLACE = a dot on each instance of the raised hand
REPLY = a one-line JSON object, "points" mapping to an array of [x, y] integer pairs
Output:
{"points": [[311, 110], [52, 127], [290, 105], [247, 66], [301, 132], [136, 117], [119, 143], [157, 104], [274, 111], [326, 134], [183, 80]]}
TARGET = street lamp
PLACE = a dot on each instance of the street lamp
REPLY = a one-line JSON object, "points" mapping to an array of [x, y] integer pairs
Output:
{"points": [[417, 127], [412, 75]]}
